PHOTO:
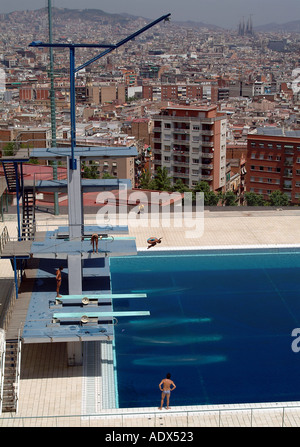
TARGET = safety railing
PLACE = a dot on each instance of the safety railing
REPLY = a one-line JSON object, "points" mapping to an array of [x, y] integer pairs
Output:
{"points": [[233, 416]]}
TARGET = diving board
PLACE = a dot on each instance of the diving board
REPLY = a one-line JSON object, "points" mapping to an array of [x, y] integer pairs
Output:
{"points": [[67, 316], [100, 297]]}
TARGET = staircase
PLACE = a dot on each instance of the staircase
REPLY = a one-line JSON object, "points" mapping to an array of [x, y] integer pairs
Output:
{"points": [[10, 175], [11, 376], [28, 222]]}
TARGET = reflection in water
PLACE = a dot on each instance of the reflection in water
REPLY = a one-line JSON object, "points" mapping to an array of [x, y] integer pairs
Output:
{"points": [[177, 360], [178, 340], [150, 322]]}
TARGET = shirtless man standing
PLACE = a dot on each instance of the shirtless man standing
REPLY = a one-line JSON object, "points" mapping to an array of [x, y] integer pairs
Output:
{"points": [[58, 281], [165, 388]]}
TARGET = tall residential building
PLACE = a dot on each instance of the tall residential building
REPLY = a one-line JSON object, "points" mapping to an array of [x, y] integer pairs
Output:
{"points": [[190, 141], [273, 162]]}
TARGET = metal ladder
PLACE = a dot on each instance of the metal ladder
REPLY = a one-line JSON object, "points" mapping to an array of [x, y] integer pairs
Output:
{"points": [[28, 219], [10, 392]]}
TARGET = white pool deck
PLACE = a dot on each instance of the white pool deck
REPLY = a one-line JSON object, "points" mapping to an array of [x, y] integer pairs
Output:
{"points": [[51, 392]]}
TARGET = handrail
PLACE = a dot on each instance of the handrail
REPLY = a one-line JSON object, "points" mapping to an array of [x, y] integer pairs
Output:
{"points": [[158, 415], [2, 365], [18, 373]]}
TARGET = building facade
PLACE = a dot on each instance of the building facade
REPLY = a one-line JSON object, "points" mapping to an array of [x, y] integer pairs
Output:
{"points": [[191, 143], [273, 162]]}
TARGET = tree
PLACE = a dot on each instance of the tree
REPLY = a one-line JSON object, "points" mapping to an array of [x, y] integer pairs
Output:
{"points": [[210, 198], [253, 199], [9, 149], [146, 182], [278, 198], [179, 186], [229, 199], [162, 180]]}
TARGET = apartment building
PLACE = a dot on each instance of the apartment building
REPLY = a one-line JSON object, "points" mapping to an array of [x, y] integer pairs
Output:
{"points": [[273, 162], [191, 143]]}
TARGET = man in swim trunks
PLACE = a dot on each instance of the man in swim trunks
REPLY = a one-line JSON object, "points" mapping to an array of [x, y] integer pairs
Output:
{"points": [[165, 388], [94, 241], [58, 281], [152, 241]]}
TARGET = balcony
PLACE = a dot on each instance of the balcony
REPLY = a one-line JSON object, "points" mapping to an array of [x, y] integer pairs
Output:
{"points": [[208, 178], [180, 163], [181, 131], [181, 175], [207, 143], [287, 186], [206, 155], [206, 166]]}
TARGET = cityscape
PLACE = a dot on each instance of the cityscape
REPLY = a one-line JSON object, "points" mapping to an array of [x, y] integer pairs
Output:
{"points": [[109, 123], [249, 77]]}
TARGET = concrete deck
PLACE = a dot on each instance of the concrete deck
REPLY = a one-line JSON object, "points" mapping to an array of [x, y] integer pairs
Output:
{"points": [[51, 393]]}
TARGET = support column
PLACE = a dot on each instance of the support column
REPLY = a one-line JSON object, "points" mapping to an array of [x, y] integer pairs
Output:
{"points": [[74, 349], [75, 274], [75, 201]]}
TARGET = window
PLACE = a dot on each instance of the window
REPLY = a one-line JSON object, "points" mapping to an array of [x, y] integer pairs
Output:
{"points": [[261, 168], [253, 156], [195, 160]]}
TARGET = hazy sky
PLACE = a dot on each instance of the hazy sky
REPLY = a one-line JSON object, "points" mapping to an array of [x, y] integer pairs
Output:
{"points": [[226, 13]]}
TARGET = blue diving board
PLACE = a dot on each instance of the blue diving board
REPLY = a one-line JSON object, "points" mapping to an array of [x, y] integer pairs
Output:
{"points": [[89, 153], [105, 296], [88, 230], [61, 249], [87, 185], [99, 315]]}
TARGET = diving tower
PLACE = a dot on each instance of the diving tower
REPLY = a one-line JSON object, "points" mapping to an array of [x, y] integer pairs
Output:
{"points": [[85, 274]]}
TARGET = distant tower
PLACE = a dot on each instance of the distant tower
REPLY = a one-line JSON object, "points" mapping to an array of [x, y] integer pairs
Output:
{"points": [[242, 28], [246, 29]]}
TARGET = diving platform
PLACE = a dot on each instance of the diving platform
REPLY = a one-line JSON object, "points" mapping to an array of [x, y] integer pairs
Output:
{"points": [[87, 185], [84, 153]]}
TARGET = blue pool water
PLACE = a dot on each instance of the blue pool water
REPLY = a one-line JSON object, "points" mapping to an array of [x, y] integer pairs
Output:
{"points": [[220, 323]]}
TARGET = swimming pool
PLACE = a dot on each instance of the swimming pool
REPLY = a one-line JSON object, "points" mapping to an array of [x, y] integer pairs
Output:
{"points": [[220, 322]]}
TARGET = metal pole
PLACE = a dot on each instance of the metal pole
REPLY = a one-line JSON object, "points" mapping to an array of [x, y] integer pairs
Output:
{"points": [[72, 108], [52, 101]]}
